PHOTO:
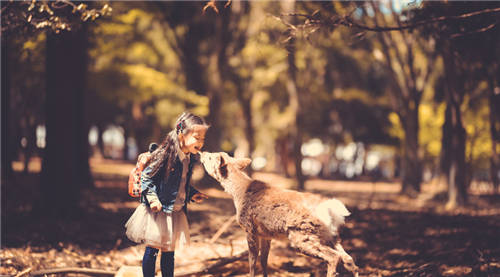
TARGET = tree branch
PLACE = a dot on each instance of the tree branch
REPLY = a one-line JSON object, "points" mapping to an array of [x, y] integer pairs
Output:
{"points": [[484, 29], [349, 22], [56, 15]]}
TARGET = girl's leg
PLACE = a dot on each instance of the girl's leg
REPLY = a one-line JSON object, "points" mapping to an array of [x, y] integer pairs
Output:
{"points": [[167, 264], [149, 261]]}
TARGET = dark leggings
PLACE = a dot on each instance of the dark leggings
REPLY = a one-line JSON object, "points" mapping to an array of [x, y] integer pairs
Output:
{"points": [[149, 262]]}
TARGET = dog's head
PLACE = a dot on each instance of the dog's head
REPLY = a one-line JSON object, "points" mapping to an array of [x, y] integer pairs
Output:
{"points": [[218, 165]]}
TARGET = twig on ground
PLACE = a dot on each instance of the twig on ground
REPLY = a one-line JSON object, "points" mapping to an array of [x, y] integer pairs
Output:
{"points": [[88, 271], [24, 272], [232, 248], [219, 232], [222, 229]]}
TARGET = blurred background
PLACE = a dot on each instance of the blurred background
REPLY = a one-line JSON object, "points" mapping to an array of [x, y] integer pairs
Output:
{"points": [[389, 101]]}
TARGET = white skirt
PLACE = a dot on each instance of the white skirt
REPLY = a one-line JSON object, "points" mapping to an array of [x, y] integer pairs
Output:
{"points": [[166, 231]]}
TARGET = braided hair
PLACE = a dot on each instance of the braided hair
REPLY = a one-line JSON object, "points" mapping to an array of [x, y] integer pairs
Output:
{"points": [[166, 153]]}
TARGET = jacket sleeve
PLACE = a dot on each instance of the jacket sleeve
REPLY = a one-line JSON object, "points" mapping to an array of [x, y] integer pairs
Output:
{"points": [[148, 188]]}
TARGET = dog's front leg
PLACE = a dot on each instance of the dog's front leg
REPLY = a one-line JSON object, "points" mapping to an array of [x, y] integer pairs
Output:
{"points": [[253, 252], [265, 245]]}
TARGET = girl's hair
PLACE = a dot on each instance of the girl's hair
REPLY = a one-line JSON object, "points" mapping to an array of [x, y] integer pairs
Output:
{"points": [[166, 153]]}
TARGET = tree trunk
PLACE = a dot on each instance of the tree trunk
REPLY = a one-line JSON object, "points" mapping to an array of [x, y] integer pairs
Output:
{"points": [[457, 187], [7, 144], [211, 86], [126, 134], [136, 125], [411, 167], [30, 143], [494, 101], [457, 192], [249, 129], [282, 161], [295, 103], [190, 54], [100, 141], [405, 101], [214, 135], [141, 136], [245, 103], [243, 94], [65, 166], [83, 152], [445, 155], [216, 82]]}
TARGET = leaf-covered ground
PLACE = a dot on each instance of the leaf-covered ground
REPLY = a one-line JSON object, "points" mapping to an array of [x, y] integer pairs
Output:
{"points": [[387, 234]]}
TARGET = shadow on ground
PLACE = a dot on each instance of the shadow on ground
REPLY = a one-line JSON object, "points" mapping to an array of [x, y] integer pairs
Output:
{"points": [[383, 242]]}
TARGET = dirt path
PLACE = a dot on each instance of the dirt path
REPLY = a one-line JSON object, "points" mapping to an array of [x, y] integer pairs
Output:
{"points": [[387, 235]]}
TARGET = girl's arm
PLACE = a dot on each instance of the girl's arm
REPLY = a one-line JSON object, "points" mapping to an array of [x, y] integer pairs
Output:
{"points": [[196, 196], [148, 188], [192, 192]]}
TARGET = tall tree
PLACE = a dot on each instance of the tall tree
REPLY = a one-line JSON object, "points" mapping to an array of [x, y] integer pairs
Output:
{"points": [[454, 97], [7, 147], [202, 65], [491, 60], [400, 50], [65, 164], [236, 35], [494, 101], [294, 97], [468, 60], [65, 168]]}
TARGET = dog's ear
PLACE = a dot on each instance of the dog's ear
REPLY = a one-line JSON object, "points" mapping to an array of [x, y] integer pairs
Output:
{"points": [[242, 163], [223, 167]]}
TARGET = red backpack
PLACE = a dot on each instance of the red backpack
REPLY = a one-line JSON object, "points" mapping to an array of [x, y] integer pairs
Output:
{"points": [[134, 178]]}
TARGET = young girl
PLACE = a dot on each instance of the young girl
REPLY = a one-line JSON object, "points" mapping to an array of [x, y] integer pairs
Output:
{"points": [[160, 221]]}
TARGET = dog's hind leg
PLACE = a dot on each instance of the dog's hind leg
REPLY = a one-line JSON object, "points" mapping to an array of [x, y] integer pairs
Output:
{"points": [[347, 260], [311, 245]]}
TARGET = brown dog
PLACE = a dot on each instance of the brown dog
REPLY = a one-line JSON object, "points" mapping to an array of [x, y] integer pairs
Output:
{"points": [[310, 222]]}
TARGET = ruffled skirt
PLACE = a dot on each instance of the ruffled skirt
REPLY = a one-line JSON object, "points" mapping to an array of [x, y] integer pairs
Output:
{"points": [[166, 231]]}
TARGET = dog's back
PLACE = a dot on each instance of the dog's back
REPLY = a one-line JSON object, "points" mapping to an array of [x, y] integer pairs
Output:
{"points": [[272, 212]]}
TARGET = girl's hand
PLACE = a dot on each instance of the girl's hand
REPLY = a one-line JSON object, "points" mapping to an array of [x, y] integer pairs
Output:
{"points": [[199, 197], [155, 206]]}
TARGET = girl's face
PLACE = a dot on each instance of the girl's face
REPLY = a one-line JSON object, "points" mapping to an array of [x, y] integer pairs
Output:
{"points": [[193, 141]]}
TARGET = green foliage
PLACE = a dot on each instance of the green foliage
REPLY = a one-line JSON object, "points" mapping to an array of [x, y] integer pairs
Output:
{"points": [[431, 119], [136, 64], [340, 86]]}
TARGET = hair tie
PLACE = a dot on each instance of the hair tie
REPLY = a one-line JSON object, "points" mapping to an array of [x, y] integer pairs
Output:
{"points": [[179, 127]]}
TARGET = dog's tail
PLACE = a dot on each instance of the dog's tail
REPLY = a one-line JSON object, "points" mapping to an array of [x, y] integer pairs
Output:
{"points": [[332, 213]]}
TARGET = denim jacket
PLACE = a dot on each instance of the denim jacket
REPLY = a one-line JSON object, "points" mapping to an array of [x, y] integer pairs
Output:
{"points": [[166, 189]]}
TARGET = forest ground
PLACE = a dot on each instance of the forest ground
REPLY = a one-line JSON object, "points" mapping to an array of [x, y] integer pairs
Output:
{"points": [[387, 234]]}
